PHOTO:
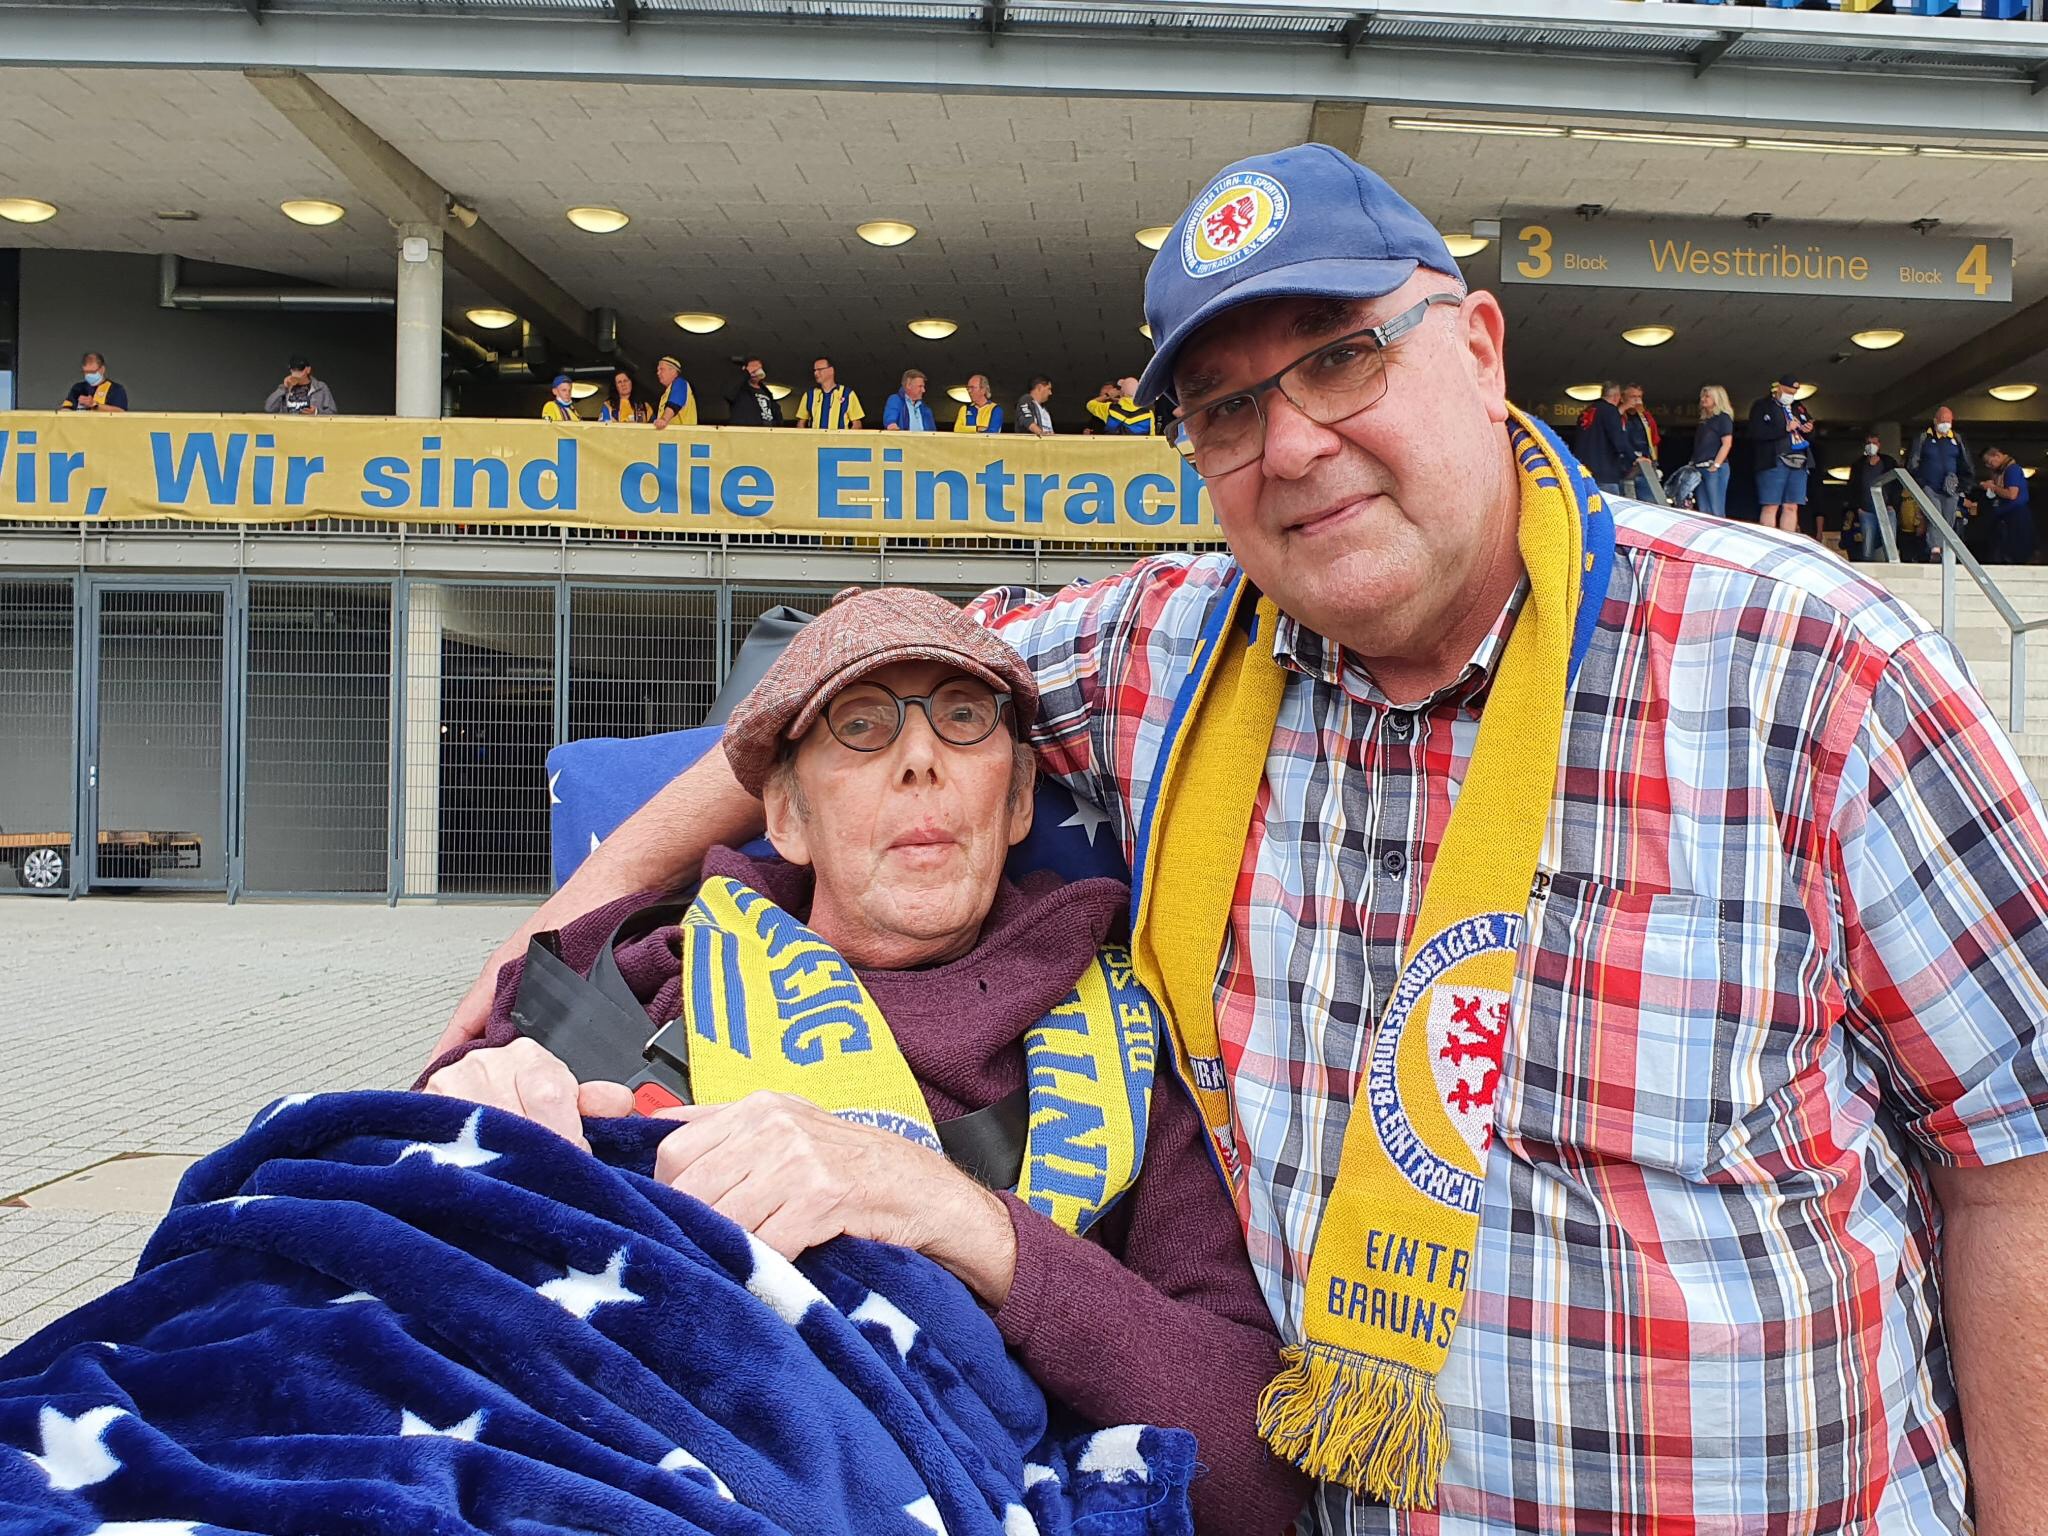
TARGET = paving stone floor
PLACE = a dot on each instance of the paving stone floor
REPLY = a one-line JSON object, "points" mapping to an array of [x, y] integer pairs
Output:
{"points": [[161, 1025]]}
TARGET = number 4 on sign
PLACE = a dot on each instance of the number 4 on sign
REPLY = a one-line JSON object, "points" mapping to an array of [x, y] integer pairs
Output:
{"points": [[1976, 270]]}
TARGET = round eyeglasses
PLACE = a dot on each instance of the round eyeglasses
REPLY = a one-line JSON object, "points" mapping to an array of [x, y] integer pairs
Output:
{"points": [[1337, 380], [961, 712]]}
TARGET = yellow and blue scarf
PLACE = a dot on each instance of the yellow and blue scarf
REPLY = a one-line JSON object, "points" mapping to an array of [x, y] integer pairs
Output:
{"points": [[772, 1006], [1355, 1402]]}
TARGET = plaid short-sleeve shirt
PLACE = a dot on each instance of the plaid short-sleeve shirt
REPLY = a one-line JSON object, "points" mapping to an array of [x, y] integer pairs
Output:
{"points": [[1786, 947]]}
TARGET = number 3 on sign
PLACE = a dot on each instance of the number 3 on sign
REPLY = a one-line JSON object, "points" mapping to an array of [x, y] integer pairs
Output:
{"points": [[1976, 270], [1535, 262]]}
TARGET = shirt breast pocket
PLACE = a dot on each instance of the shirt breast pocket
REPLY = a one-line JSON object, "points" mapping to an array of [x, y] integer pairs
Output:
{"points": [[1664, 1030]]}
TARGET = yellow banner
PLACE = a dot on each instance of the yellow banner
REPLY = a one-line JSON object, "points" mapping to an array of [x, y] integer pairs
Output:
{"points": [[709, 479]]}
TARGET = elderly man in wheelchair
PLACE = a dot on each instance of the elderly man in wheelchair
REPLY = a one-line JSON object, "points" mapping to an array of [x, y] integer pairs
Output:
{"points": [[875, 1033]]}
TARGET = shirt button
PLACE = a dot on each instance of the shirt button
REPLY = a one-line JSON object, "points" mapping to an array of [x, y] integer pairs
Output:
{"points": [[1394, 862], [1400, 725]]}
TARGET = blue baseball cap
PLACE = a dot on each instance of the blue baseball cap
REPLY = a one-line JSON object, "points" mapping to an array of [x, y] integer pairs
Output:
{"points": [[1307, 222], [560, 380]]}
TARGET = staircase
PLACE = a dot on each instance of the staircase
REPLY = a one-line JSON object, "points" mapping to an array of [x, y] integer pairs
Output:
{"points": [[1985, 642]]}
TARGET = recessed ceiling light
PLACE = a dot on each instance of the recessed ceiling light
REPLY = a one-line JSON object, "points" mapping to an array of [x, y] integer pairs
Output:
{"points": [[1583, 391], [598, 221], [885, 231], [958, 392], [1839, 474], [1806, 392], [1878, 340], [311, 210], [178, 215], [491, 319], [700, 322], [2028, 473], [1823, 147], [1461, 246], [26, 210], [1640, 136], [1145, 331], [1648, 335], [1940, 153], [582, 389], [1153, 236], [932, 328], [1455, 125], [2013, 391], [779, 391]]}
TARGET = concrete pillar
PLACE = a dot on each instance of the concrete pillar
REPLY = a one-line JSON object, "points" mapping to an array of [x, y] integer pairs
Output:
{"points": [[420, 867], [419, 320]]}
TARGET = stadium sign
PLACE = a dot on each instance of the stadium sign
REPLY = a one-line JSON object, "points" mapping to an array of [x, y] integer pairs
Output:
{"points": [[1717, 256], [713, 480]]}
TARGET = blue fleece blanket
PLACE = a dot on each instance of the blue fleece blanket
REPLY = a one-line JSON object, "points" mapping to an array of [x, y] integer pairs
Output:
{"points": [[392, 1313]]}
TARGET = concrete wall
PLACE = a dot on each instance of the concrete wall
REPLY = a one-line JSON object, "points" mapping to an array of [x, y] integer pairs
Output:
{"points": [[185, 360]]}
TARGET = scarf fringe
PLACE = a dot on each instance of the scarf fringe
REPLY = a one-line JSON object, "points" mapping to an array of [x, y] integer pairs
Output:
{"points": [[1371, 1425]]}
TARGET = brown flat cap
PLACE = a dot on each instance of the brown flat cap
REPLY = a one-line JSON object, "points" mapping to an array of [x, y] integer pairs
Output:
{"points": [[861, 633]]}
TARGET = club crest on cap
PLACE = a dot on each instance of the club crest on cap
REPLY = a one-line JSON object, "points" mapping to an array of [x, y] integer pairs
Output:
{"points": [[1233, 218]]}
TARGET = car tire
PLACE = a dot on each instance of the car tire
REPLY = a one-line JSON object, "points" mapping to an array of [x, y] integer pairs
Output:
{"points": [[46, 869]]}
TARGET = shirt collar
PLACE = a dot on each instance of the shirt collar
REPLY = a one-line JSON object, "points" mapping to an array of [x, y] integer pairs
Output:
{"points": [[1301, 649]]}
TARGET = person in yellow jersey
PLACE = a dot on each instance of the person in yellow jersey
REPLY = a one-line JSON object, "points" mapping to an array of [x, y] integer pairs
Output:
{"points": [[828, 404], [562, 407], [95, 391], [1123, 416], [979, 414], [625, 405], [675, 405]]}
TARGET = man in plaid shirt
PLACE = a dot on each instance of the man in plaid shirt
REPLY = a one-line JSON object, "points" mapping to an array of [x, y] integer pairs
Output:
{"points": [[1764, 1228]]}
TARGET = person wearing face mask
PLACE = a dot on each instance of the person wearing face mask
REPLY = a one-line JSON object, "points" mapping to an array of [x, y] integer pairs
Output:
{"points": [[1940, 460], [1784, 452], [1861, 539], [95, 391]]}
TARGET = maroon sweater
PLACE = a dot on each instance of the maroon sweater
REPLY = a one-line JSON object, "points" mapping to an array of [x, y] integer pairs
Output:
{"points": [[1155, 1318]]}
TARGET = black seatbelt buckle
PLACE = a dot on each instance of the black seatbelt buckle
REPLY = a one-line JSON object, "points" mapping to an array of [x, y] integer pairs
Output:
{"points": [[664, 1083]]}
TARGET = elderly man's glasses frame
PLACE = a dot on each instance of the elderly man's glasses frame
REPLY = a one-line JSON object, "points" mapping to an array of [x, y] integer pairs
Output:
{"points": [[1338, 379], [962, 712]]}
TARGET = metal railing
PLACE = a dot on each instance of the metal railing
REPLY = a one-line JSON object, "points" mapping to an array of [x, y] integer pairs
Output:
{"points": [[1954, 552]]}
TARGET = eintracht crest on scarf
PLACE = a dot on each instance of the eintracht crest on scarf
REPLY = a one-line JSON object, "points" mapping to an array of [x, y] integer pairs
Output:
{"points": [[1355, 1402]]}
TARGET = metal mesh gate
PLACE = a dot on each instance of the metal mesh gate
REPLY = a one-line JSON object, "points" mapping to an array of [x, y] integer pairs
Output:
{"points": [[317, 746], [478, 719], [38, 783], [640, 661]]}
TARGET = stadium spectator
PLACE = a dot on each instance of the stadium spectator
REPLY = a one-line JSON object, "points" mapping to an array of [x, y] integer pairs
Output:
{"points": [[1711, 441], [1032, 416], [906, 410], [1108, 391], [2006, 499], [1643, 440], [676, 405], [1123, 416], [301, 394], [562, 405], [1784, 453], [1603, 440], [1861, 539], [1940, 461], [979, 414], [623, 405], [752, 403], [95, 391], [828, 404]]}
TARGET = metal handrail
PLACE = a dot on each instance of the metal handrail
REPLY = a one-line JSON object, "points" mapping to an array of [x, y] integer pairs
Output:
{"points": [[1954, 552]]}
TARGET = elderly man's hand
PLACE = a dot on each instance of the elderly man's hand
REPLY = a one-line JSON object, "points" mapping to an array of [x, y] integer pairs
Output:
{"points": [[524, 1078], [796, 1176]]}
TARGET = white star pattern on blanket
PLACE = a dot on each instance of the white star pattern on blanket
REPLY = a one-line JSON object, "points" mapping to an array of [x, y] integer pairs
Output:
{"points": [[1087, 816], [554, 797], [582, 1292], [926, 1513], [352, 1296], [780, 1284], [1017, 1521], [289, 1101], [881, 1310], [462, 1152], [1114, 1454], [74, 1453], [680, 1460], [410, 1423], [145, 1528]]}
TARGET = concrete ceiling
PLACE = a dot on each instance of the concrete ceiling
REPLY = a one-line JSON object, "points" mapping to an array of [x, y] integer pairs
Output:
{"points": [[744, 202]]}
